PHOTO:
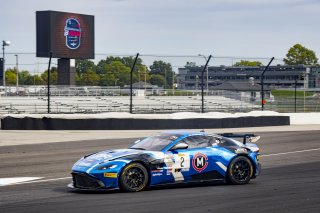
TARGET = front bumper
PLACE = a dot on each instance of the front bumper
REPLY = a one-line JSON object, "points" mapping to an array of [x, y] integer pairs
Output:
{"points": [[85, 181]]}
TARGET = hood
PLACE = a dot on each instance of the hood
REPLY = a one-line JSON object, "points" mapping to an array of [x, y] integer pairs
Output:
{"points": [[100, 157], [111, 154], [95, 159]]}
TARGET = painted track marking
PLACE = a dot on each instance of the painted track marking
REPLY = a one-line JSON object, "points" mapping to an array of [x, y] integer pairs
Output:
{"points": [[37, 181], [16, 180], [293, 152]]}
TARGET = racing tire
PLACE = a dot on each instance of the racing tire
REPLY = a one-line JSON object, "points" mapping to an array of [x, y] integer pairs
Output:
{"points": [[239, 171], [133, 178]]}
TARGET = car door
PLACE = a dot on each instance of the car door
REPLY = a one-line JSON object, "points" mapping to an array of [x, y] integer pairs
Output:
{"points": [[194, 163]]}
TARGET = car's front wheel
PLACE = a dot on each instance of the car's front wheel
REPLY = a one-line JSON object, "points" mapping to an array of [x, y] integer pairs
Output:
{"points": [[134, 177], [239, 171]]}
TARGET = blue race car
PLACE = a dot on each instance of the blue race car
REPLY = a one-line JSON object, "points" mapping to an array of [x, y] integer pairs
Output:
{"points": [[168, 158]]}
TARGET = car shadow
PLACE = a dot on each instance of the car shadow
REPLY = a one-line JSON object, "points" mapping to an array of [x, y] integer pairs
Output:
{"points": [[151, 188]]}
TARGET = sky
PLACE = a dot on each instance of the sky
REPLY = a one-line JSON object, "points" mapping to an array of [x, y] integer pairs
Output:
{"points": [[231, 28]]}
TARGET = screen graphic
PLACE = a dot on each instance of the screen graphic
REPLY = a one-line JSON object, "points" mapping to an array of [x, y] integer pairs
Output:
{"points": [[72, 32], [66, 35]]}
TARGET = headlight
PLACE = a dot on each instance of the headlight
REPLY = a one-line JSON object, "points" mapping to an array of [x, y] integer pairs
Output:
{"points": [[105, 167]]}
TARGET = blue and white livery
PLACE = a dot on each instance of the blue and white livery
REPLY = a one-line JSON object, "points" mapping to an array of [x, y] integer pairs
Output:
{"points": [[169, 158]]}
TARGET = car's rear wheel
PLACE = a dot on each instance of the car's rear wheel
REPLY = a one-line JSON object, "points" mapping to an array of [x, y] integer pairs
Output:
{"points": [[239, 171], [134, 178]]}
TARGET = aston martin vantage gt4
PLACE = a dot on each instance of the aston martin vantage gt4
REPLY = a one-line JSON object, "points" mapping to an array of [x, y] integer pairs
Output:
{"points": [[170, 158]]}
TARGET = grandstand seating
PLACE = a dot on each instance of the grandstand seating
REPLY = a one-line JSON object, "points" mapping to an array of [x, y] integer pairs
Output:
{"points": [[141, 104]]}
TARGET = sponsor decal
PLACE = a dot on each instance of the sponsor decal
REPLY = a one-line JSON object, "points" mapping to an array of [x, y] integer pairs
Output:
{"points": [[72, 32], [258, 157], [181, 161], [169, 172], [157, 170], [200, 162], [156, 174], [110, 175]]}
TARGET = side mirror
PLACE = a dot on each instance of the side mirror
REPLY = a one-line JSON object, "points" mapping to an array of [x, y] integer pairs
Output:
{"points": [[180, 146]]}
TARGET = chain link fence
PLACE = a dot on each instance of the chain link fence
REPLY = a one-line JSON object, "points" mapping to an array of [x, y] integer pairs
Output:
{"points": [[161, 84]]}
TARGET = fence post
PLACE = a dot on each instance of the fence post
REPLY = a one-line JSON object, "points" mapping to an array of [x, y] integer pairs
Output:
{"points": [[262, 89], [295, 94], [202, 84], [48, 79], [132, 69]]}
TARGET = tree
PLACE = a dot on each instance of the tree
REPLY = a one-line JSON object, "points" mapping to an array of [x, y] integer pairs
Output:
{"points": [[101, 66], [36, 80], [88, 78], [53, 76], [11, 77], [25, 78], [115, 73], [157, 79], [83, 66], [299, 54], [245, 63], [164, 69]]}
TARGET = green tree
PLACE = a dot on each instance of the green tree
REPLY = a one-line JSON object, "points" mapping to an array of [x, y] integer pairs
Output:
{"points": [[164, 69], [299, 54], [115, 73], [37, 80], [128, 61], [89, 78], [25, 78], [157, 79], [11, 77], [101, 66], [245, 63], [53, 76], [83, 66]]}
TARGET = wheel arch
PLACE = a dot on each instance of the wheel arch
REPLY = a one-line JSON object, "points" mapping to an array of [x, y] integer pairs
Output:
{"points": [[248, 157], [145, 164]]}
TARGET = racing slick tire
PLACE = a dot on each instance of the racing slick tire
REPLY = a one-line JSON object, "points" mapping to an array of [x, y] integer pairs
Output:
{"points": [[239, 171], [134, 178]]}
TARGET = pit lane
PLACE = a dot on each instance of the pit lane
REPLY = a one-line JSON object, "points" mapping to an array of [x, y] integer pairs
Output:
{"points": [[289, 181]]}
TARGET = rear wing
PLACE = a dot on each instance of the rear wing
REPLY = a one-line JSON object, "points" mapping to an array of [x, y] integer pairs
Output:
{"points": [[252, 138]]}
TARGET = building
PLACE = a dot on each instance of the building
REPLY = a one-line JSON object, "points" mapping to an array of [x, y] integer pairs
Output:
{"points": [[279, 76]]}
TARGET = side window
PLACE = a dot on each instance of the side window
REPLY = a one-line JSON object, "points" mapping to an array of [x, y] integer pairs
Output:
{"points": [[197, 141]]}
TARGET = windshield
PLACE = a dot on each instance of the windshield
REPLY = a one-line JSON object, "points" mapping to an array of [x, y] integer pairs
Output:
{"points": [[155, 143]]}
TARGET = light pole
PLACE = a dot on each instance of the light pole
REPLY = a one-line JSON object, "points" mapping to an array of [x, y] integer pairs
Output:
{"points": [[139, 78], [205, 58], [4, 43], [17, 73]]}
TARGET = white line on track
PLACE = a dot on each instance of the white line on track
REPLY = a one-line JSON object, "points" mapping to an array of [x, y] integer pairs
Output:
{"points": [[37, 181], [64, 178], [285, 153]]}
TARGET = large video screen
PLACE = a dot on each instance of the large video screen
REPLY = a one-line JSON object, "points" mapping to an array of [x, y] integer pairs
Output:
{"points": [[66, 35]]}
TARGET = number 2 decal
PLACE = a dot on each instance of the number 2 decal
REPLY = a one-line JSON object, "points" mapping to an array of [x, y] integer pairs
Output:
{"points": [[182, 161]]}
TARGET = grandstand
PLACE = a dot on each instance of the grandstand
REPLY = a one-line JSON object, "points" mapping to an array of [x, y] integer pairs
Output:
{"points": [[141, 104]]}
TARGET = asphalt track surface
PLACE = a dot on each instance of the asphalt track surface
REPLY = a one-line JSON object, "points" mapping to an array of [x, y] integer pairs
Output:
{"points": [[290, 181]]}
